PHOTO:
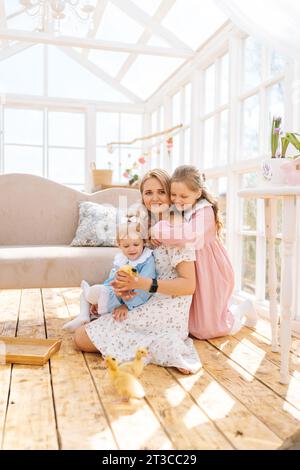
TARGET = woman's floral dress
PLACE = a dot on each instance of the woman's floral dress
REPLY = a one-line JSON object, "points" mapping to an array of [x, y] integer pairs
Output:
{"points": [[160, 325]]}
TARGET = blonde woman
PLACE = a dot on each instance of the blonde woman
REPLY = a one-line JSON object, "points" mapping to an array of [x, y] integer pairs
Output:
{"points": [[161, 324]]}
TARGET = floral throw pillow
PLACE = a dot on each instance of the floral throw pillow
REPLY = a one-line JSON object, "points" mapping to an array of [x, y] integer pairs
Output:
{"points": [[97, 225]]}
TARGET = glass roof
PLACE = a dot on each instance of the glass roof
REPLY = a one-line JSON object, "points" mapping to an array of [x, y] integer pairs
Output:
{"points": [[145, 40]]}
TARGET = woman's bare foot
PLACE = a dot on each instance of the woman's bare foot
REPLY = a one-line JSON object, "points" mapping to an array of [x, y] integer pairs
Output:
{"points": [[184, 371]]}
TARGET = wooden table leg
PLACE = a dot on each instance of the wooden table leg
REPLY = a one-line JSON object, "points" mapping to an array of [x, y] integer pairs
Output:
{"points": [[271, 232], [288, 241]]}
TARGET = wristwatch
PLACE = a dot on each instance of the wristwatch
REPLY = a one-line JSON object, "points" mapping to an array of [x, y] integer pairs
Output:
{"points": [[154, 286]]}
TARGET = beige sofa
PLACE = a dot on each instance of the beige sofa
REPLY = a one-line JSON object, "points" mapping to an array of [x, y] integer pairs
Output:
{"points": [[38, 220]]}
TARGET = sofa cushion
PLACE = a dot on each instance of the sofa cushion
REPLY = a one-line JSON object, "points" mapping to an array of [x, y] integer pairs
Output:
{"points": [[97, 225], [53, 266]]}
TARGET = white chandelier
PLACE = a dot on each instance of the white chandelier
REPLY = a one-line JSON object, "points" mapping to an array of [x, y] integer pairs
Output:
{"points": [[54, 11]]}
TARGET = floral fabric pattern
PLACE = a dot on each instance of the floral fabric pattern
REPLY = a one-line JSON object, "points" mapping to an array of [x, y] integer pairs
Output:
{"points": [[97, 225], [160, 325]]}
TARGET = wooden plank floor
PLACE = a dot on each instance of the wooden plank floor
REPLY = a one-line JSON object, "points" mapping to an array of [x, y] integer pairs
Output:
{"points": [[234, 402]]}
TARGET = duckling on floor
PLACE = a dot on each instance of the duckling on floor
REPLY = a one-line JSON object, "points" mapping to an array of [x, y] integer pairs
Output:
{"points": [[125, 384], [136, 366]]}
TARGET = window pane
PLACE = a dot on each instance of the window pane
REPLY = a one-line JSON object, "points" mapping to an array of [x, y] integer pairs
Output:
{"points": [[209, 142], [66, 129], [161, 117], [223, 142], [276, 100], [188, 101], [23, 73], [106, 160], [277, 63], [211, 185], [107, 128], [66, 166], [249, 180], [250, 127], [131, 127], [249, 263], [224, 93], [19, 159], [252, 63], [23, 126], [175, 154], [209, 91], [176, 114], [154, 122], [129, 161], [249, 215], [187, 147], [278, 268], [68, 79], [154, 129]]}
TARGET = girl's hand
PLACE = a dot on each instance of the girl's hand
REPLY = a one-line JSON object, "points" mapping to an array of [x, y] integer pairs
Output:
{"points": [[120, 313]]}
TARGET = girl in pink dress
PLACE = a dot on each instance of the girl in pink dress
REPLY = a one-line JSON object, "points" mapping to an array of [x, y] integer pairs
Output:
{"points": [[199, 225]]}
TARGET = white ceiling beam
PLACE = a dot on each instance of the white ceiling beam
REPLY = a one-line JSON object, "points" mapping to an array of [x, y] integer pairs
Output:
{"points": [[3, 23], [160, 13], [14, 49], [70, 103], [98, 15], [100, 74], [139, 15], [70, 41]]}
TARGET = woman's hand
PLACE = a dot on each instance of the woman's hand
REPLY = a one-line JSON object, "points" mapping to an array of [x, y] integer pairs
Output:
{"points": [[127, 295], [124, 282], [120, 313]]}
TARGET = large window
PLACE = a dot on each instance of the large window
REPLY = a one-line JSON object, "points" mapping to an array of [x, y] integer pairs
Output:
{"points": [[235, 121], [44, 143]]}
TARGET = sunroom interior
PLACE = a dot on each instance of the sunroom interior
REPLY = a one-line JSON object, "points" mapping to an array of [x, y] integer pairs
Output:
{"points": [[129, 86]]}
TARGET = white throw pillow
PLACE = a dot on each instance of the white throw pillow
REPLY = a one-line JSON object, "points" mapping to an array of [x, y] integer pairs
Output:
{"points": [[97, 225]]}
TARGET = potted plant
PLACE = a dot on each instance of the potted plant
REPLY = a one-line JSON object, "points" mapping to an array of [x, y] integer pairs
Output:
{"points": [[272, 168]]}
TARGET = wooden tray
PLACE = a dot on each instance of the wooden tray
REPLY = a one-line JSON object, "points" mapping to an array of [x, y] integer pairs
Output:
{"points": [[32, 351]]}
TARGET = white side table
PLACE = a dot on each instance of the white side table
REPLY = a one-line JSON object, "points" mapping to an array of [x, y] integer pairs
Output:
{"points": [[289, 195]]}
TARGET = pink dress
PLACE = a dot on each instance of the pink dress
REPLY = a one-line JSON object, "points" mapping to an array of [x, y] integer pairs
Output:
{"points": [[210, 316]]}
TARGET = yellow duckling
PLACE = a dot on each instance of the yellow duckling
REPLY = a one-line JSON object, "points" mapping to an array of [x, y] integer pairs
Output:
{"points": [[136, 366], [128, 270], [126, 384]]}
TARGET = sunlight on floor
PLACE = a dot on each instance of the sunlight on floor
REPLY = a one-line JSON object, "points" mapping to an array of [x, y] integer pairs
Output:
{"points": [[145, 429], [291, 410], [216, 400], [253, 362], [194, 417], [175, 395]]}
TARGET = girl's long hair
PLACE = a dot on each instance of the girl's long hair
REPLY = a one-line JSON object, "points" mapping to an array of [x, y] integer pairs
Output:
{"points": [[192, 177]]}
